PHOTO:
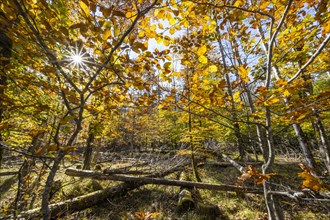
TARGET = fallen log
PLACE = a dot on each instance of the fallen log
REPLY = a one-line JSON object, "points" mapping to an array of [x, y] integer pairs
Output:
{"points": [[190, 199], [186, 201], [160, 181], [8, 173], [89, 200], [239, 167], [124, 171], [225, 164]]}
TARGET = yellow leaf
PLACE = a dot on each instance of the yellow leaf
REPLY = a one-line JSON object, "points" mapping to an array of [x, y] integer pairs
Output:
{"points": [[238, 3], [202, 50], [159, 40], [186, 24], [156, 12], [236, 96], [286, 93], [172, 31], [264, 5], [141, 34], [203, 59], [274, 100], [107, 34], [131, 15], [172, 21], [326, 28], [84, 7], [243, 73], [213, 68]]}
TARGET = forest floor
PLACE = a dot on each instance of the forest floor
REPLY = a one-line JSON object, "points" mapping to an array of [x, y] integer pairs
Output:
{"points": [[161, 201]]}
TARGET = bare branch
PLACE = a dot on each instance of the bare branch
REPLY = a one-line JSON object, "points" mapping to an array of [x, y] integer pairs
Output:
{"points": [[272, 41], [311, 59]]}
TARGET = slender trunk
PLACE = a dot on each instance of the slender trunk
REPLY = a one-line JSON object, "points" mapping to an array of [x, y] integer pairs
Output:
{"points": [[88, 152], [23, 188], [260, 134], [237, 131], [193, 161], [191, 144], [46, 194], [305, 148], [269, 134], [56, 165], [324, 146]]}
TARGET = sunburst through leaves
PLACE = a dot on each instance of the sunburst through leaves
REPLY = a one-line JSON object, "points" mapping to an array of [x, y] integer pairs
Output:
{"points": [[78, 58]]}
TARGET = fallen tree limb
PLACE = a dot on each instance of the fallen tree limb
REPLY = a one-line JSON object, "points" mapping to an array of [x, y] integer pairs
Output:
{"points": [[225, 164], [160, 181], [124, 171], [89, 200], [239, 167], [306, 195], [8, 173]]}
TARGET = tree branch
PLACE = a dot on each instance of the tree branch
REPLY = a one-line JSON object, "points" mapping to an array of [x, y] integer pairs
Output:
{"points": [[311, 59], [271, 43], [52, 58], [235, 7]]}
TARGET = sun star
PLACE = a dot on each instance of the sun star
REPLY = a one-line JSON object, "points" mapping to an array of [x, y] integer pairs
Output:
{"points": [[77, 58]]}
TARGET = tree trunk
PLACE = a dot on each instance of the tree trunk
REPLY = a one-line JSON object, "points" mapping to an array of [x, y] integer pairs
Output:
{"points": [[237, 131], [5, 52], [305, 148], [88, 152], [324, 146]]}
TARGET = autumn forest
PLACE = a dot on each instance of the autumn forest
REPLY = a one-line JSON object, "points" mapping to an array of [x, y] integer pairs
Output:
{"points": [[164, 109]]}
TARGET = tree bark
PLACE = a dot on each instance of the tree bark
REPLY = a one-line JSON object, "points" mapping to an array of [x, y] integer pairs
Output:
{"points": [[5, 51], [324, 146], [305, 148], [186, 201], [237, 131], [88, 152], [161, 181]]}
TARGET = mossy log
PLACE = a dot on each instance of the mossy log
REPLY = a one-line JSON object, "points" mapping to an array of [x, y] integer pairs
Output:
{"points": [[186, 200], [89, 200], [190, 199]]}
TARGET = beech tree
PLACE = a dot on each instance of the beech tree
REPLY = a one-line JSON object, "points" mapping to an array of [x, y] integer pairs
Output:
{"points": [[84, 74]]}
